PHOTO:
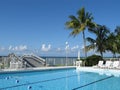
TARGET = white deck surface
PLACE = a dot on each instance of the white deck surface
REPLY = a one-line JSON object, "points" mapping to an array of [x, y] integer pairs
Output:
{"points": [[34, 69], [115, 72]]}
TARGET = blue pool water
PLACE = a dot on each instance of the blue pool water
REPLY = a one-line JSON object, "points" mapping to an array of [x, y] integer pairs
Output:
{"points": [[63, 79]]}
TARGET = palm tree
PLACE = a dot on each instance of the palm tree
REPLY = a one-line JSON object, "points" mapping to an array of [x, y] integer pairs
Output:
{"points": [[112, 43], [80, 23], [117, 33], [100, 42], [113, 39], [118, 43], [117, 30]]}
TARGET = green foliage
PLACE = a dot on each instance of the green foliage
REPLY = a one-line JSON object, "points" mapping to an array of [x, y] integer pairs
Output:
{"points": [[80, 23], [92, 60], [100, 42]]}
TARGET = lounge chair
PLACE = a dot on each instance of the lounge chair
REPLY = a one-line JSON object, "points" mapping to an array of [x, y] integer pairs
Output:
{"points": [[100, 64], [108, 64], [116, 64]]}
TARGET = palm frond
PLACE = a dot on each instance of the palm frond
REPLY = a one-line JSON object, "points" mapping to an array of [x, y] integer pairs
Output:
{"points": [[75, 32], [117, 30], [91, 40], [81, 15], [89, 16], [90, 47], [73, 23], [72, 17]]}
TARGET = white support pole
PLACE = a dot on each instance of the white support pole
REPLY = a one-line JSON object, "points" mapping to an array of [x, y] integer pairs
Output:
{"points": [[78, 54]]}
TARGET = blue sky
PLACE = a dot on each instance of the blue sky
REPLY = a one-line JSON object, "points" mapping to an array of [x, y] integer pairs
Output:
{"points": [[38, 26]]}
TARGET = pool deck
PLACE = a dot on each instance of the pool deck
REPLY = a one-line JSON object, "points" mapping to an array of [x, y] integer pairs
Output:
{"points": [[115, 72], [101, 71], [35, 69]]}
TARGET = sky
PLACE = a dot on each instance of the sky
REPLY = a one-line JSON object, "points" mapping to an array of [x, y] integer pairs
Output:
{"points": [[38, 26]]}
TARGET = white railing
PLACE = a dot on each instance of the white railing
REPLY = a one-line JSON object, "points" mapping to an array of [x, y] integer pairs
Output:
{"points": [[30, 55], [38, 57]]}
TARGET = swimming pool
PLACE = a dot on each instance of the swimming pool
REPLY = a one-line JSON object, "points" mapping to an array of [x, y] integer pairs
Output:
{"points": [[62, 79]]}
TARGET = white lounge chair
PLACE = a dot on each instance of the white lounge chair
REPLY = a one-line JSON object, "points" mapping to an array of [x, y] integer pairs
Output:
{"points": [[108, 64], [116, 64], [100, 64]]}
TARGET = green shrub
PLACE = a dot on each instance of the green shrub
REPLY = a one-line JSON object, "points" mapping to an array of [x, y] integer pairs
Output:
{"points": [[92, 60]]}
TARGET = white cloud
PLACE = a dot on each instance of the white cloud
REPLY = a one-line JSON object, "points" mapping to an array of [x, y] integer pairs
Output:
{"points": [[24, 47], [17, 48], [58, 49], [45, 48], [2, 48], [10, 47], [67, 47], [74, 48], [49, 46]]}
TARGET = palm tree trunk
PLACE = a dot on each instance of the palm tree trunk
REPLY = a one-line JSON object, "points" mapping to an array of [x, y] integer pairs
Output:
{"points": [[84, 44], [101, 54], [114, 55]]}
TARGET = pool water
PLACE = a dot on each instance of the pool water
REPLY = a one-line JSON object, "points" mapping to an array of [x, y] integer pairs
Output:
{"points": [[63, 79]]}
